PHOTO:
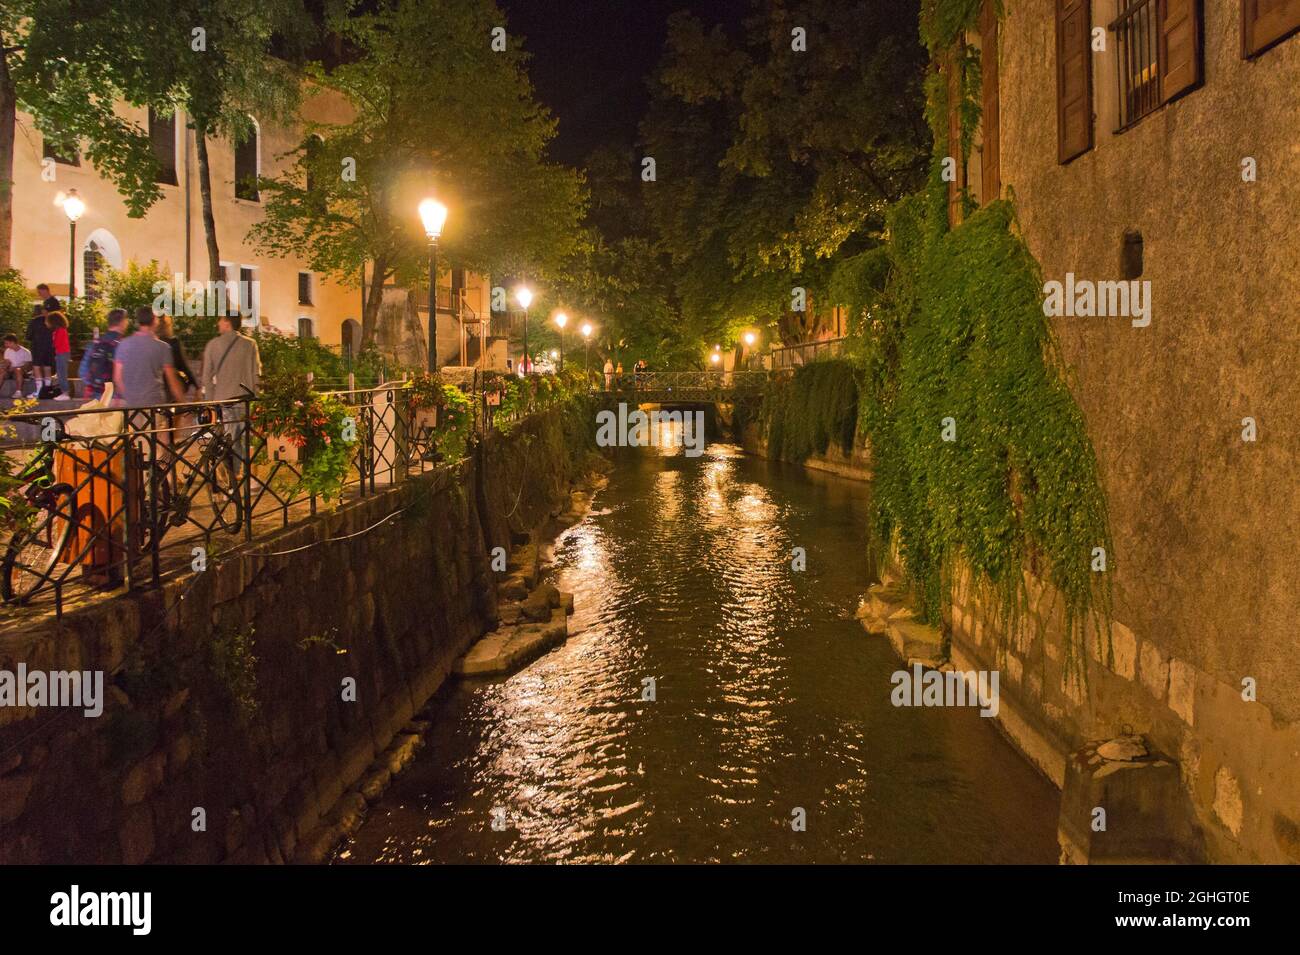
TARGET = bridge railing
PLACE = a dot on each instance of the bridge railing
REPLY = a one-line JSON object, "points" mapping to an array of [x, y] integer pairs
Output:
{"points": [[691, 384]]}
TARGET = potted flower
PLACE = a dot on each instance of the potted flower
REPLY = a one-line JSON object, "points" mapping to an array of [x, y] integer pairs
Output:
{"points": [[308, 428], [423, 397]]}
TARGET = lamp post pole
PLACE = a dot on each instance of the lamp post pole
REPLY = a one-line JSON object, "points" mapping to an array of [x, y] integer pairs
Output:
{"points": [[433, 214], [72, 258], [525, 364], [433, 304]]}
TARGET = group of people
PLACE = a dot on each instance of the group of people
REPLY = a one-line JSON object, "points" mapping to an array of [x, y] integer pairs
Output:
{"points": [[44, 359], [615, 372], [147, 367]]}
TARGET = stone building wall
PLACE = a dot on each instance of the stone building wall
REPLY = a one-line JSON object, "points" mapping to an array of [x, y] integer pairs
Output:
{"points": [[258, 734], [1205, 564]]}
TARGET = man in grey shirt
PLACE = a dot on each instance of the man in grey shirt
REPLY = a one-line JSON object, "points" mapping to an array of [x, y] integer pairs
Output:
{"points": [[231, 364], [142, 366]]}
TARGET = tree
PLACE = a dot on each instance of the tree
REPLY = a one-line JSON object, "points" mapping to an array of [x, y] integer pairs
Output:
{"points": [[63, 62], [436, 110], [215, 60], [774, 163]]}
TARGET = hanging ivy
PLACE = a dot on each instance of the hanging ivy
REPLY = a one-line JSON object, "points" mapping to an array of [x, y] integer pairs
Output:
{"points": [[949, 340]]}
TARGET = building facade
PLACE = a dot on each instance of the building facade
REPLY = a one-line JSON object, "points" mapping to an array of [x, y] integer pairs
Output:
{"points": [[286, 295], [1159, 141]]}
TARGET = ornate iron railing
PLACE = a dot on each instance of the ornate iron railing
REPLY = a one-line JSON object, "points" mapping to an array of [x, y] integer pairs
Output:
{"points": [[151, 490]]}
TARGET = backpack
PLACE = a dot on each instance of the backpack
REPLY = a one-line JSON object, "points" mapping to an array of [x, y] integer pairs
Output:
{"points": [[99, 364]]}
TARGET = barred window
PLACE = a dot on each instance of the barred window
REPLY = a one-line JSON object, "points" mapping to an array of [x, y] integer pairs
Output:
{"points": [[1136, 60]]}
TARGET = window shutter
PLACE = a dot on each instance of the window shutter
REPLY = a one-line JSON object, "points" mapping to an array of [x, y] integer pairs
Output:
{"points": [[957, 185], [1073, 78], [991, 148], [1180, 47], [1264, 22]]}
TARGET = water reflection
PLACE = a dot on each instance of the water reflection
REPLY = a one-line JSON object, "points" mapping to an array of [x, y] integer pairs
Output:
{"points": [[767, 694]]}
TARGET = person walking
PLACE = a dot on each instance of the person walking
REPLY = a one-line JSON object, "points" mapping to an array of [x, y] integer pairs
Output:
{"points": [[180, 361], [97, 362], [40, 341], [231, 367], [609, 374], [143, 374], [62, 344]]}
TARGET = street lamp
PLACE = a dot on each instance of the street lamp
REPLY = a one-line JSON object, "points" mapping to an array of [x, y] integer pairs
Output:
{"points": [[561, 320], [524, 296], [433, 214], [73, 207]]}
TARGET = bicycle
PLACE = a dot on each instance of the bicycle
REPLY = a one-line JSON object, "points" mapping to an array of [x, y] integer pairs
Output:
{"points": [[42, 542], [212, 482]]}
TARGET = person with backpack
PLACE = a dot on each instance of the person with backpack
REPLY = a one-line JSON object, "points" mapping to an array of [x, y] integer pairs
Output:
{"points": [[97, 362]]}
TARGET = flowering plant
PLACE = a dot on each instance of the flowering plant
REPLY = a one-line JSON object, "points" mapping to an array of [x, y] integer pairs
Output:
{"points": [[320, 426]]}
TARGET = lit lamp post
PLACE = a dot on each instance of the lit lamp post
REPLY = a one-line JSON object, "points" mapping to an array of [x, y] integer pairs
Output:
{"points": [[433, 214], [73, 207], [524, 296], [560, 321], [750, 338]]}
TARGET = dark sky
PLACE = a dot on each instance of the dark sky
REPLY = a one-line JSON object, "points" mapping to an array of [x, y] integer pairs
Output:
{"points": [[590, 60]]}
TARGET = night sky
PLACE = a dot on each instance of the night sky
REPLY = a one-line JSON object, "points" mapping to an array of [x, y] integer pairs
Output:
{"points": [[591, 58]]}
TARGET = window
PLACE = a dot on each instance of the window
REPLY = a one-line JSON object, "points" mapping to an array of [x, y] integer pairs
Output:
{"points": [[63, 153], [1266, 22], [162, 137], [304, 288], [990, 142], [1073, 79], [92, 263], [246, 166], [304, 327], [1157, 54], [248, 291], [311, 150]]}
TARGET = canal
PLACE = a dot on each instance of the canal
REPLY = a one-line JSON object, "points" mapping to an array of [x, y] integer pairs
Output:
{"points": [[768, 699]]}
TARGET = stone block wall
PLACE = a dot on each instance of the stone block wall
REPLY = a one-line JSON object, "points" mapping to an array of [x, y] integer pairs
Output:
{"points": [[225, 690]]}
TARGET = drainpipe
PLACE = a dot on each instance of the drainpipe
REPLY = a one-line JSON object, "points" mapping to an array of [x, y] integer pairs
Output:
{"points": [[188, 140]]}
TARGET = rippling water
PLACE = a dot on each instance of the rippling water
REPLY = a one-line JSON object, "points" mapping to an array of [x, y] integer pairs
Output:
{"points": [[769, 697]]}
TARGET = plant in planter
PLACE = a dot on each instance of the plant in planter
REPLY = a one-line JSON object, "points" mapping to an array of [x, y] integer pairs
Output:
{"points": [[444, 410], [318, 427]]}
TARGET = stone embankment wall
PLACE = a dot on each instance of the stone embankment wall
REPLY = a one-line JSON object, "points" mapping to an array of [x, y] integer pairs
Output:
{"points": [[226, 733], [854, 465]]}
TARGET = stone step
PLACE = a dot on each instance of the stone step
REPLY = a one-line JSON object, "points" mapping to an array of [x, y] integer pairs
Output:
{"points": [[511, 647], [882, 602], [915, 641]]}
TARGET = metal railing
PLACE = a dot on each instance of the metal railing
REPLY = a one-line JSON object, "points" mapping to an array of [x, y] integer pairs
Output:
{"points": [[128, 503], [686, 385], [788, 357]]}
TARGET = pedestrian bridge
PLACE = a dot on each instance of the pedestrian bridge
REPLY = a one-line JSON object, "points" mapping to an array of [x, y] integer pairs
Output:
{"points": [[663, 387]]}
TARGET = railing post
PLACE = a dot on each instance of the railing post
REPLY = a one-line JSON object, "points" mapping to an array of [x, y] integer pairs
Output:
{"points": [[153, 496], [246, 478]]}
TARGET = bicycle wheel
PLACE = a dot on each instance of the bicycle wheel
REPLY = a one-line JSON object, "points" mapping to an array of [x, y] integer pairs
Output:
{"points": [[221, 490], [32, 555]]}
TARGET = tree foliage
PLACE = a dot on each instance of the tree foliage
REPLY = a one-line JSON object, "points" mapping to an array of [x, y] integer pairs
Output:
{"points": [[435, 111]]}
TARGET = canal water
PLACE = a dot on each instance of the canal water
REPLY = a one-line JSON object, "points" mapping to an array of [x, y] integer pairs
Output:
{"points": [[768, 699]]}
